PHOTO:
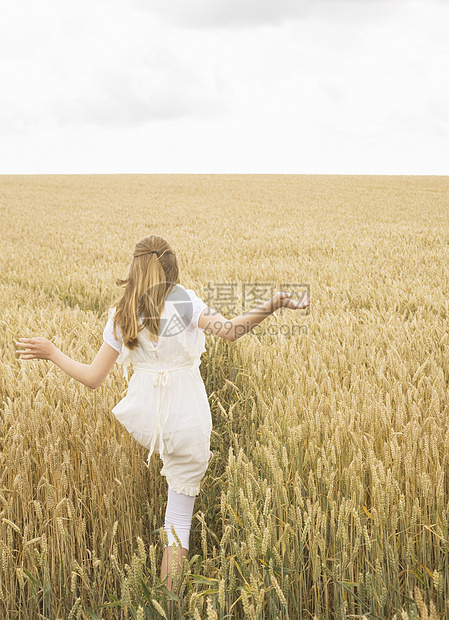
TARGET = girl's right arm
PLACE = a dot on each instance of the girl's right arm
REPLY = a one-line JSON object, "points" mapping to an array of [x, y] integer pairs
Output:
{"points": [[232, 329], [92, 375]]}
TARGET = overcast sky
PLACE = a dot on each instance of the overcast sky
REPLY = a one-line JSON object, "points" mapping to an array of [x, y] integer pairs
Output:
{"points": [[224, 86]]}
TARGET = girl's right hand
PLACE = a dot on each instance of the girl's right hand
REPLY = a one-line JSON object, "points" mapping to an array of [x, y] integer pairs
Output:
{"points": [[284, 300], [36, 348]]}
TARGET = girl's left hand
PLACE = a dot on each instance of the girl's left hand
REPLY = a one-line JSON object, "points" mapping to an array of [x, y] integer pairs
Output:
{"points": [[36, 348], [284, 300]]}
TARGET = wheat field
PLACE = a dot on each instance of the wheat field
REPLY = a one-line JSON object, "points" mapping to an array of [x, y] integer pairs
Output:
{"points": [[328, 493]]}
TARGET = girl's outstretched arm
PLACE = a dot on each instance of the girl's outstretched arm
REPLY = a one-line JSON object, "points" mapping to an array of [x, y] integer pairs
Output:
{"points": [[92, 375], [232, 329]]}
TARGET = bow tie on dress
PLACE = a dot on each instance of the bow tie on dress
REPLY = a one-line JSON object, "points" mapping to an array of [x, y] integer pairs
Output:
{"points": [[162, 378]]}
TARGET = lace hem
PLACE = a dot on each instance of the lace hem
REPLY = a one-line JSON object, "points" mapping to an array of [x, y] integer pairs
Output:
{"points": [[187, 489]]}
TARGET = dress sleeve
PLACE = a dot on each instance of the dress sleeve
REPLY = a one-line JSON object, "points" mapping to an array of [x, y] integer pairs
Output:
{"points": [[108, 335], [198, 305]]}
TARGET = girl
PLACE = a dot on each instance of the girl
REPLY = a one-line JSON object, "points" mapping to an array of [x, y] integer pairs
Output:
{"points": [[157, 326]]}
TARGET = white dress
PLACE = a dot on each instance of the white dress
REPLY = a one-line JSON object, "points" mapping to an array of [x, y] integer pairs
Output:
{"points": [[166, 408]]}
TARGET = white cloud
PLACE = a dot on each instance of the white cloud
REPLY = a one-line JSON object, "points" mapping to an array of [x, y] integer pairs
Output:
{"points": [[225, 13], [238, 14], [348, 86], [100, 63]]}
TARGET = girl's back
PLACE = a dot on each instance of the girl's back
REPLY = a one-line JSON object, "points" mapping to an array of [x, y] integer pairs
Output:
{"points": [[166, 408]]}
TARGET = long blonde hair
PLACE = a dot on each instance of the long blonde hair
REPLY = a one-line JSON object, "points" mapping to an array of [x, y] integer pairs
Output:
{"points": [[152, 275]]}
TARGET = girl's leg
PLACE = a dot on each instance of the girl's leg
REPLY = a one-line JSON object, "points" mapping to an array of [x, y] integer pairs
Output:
{"points": [[179, 514], [166, 567]]}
